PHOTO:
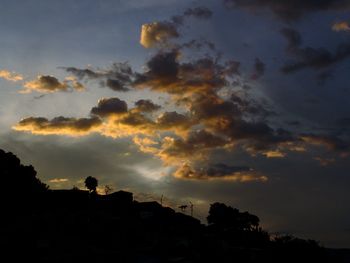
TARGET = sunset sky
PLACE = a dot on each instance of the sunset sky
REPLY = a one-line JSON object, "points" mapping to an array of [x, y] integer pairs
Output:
{"points": [[236, 101]]}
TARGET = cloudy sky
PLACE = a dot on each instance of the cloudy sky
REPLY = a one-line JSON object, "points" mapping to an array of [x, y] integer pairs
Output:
{"points": [[242, 102]]}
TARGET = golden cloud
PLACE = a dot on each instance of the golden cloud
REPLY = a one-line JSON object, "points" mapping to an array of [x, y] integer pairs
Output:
{"points": [[220, 172], [274, 154], [59, 126], [157, 33], [330, 142], [341, 26], [58, 180], [50, 84], [10, 76]]}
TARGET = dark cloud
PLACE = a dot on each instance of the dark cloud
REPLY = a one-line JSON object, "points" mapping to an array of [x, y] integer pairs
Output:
{"points": [[220, 168], [317, 58], [163, 69], [293, 38], [109, 106], [193, 148], [204, 139], [117, 77], [259, 69], [159, 34], [332, 143], [199, 12], [165, 73], [49, 84], [137, 120], [309, 57], [83, 73], [289, 10], [236, 120], [168, 120], [146, 106], [220, 171], [59, 125], [199, 44], [116, 85]]}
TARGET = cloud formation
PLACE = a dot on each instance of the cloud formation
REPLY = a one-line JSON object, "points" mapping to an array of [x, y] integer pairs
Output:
{"points": [[199, 12], [157, 33], [146, 106], [59, 126], [107, 107], [309, 57], [289, 10], [332, 143], [205, 112], [341, 26], [220, 171], [10, 76], [117, 77], [49, 84], [205, 122]]}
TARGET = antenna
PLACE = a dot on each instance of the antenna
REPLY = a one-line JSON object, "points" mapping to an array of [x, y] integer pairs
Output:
{"points": [[191, 206]]}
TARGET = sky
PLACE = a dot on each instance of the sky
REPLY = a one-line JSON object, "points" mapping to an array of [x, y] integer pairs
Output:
{"points": [[241, 102]]}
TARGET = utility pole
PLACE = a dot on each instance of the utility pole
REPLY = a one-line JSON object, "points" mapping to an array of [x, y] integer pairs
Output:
{"points": [[191, 206]]}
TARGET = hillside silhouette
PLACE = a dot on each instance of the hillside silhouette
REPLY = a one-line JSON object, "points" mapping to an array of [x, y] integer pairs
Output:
{"points": [[82, 226]]}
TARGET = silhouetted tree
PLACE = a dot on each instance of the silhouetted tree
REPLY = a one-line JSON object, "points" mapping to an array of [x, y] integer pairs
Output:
{"points": [[91, 184], [20, 190], [14, 175], [223, 215], [108, 189], [227, 217]]}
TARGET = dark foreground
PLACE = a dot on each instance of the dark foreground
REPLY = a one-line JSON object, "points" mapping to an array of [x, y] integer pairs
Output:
{"points": [[42, 225]]}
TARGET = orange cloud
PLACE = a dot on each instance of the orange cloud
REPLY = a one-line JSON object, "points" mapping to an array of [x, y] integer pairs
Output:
{"points": [[220, 172], [274, 154], [157, 33], [341, 26], [59, 126], [50, 84], [58, 180], [10, 76]]}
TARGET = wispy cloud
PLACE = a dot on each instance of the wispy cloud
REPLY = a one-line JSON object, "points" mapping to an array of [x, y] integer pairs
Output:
{"points": [[10, 76], [341, 26]]}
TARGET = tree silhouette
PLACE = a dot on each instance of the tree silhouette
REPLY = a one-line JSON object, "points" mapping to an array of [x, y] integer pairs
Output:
{"points": [[227, 217], [20, 190], [91, 184], [108, 189], [14, 175]]}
